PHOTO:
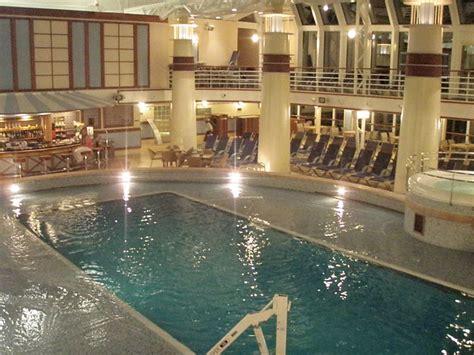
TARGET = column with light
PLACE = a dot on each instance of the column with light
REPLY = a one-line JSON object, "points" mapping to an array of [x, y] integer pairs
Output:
{"points": [[183, 111], [420, 120], [274, 128]]}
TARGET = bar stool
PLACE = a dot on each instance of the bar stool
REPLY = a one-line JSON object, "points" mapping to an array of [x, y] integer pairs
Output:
{"points": [[19, 165], [44, 159], [67, 158]]}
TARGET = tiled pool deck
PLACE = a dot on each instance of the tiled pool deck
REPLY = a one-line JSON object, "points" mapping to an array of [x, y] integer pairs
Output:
{"points": [[47, 305]]}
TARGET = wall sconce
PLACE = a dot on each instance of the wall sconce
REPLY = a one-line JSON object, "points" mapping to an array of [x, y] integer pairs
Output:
{"points": [[255, 38], [239, 105]]}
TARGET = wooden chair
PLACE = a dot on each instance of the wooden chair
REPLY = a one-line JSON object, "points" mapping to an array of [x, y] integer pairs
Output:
{"points": [[153, 156], [169, 157], [195, 162]]}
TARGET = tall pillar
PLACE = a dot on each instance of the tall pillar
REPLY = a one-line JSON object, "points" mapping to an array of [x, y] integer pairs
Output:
{"points": [[274, 132], [420, 120], [183, 109]]}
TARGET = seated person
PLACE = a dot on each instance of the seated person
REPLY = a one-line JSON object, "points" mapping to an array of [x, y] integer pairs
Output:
{"points": [[79, 152]]}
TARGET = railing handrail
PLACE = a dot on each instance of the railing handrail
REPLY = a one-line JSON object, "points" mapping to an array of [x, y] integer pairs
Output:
{"points": [[374, 82]]}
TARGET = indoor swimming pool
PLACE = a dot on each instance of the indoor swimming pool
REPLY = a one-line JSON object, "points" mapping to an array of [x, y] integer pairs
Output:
{"points": [[196, 270]]}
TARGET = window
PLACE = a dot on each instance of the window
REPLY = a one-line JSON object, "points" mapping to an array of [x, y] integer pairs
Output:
{"points": [[310, 40], [51, 54], [306, 14], [467, 62], [403, 12], [466, 11], [328, 14], [381, 49], [446, 15], [331, 49], [119, 55], [378, 12], [402, 50], [349, 12], [350, 54], [447, 49]]}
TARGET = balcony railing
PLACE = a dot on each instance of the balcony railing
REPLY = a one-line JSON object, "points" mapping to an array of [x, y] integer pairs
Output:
{"points": [[455, 86]]}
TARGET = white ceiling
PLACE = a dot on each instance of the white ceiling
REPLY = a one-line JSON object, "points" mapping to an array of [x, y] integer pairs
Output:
{"points": [[202, 8]]}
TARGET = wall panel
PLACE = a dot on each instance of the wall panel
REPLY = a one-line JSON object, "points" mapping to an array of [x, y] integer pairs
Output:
{"points": [[23, 54], [78, 55], [6, 60], [95, 55], [143, 70]]}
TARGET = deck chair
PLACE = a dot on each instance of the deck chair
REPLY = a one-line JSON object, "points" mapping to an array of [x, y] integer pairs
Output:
{"points": [[316, 151], [210, 142], [246, 154], [295, 144], [344, 161], [380, 165], [362, 161], [384, 180], [221, 145], [329, 157], [308, 142]]}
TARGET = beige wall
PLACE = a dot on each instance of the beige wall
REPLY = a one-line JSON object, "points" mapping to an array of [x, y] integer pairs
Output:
{"points": [[160, 54], [216, 47], [231, 110]]}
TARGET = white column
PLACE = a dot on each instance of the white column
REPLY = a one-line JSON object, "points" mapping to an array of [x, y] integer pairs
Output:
{"points": [[183, 110], [317, 119], [274, 131], [420, 121]]}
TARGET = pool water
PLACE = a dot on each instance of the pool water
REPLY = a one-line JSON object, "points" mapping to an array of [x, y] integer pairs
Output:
{"points": [[196, 271]]}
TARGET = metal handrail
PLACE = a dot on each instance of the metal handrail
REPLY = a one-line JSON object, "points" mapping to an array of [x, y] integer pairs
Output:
{"points": [[279, 307], [457, 86], [455, 162]]}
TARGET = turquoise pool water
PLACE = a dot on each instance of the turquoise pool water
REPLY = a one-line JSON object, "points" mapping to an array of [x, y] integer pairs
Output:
{"points": [[195, 271]]}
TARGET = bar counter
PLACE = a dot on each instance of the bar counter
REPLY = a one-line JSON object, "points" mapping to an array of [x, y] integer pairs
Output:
{"points": [[53, 158]]}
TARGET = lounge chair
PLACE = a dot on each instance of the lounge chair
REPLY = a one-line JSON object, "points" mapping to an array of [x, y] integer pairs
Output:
{"points": [[316, 150], [344, 161], [245, 155], [330, 155], [362, 161], [380, 165]]}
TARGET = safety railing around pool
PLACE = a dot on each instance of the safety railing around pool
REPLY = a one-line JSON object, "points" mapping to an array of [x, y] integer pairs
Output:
{"points": [[279, 307], [444, 176], [455, 85]]}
